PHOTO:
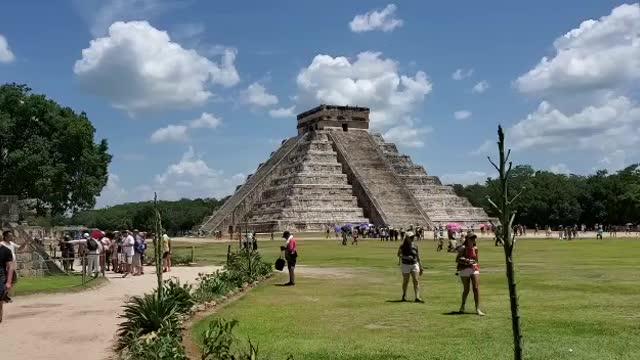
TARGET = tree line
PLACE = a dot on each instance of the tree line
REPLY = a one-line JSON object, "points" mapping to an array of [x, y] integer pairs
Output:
{"points": [[178, 217], [559, 199]]}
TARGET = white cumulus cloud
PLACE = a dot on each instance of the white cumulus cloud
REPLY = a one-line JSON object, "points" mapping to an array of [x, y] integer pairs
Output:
{"points": [[611, 125], [384, 20], [460, 74], [171, 133], [100, 14], [192, 177], [601, 54], [113, 193], [137, 67], [370, 80], [407, 135], [462, 114], [206, 120], [180, 133], [465, 178], [6, 55], [282, 112], [560, 169], [256, 94], [480, 87]]}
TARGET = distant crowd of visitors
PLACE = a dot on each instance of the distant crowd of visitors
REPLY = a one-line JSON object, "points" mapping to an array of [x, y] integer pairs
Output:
{"points": [[122, 252]]}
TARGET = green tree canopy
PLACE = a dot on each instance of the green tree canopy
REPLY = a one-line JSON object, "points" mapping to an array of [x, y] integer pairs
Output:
{"points": [[177, 216], [558, 199], [47, 152]]}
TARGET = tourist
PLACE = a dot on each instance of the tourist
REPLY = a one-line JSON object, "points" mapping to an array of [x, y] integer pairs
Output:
{"points": [[291, 255], [139, 249], [469, 272], [356, 233], [410, 264], [328, 232], [128, 251], [7, 269], [64, 252], [114, 251], [344, 230], [93, 253], [7, 242], [105, 258], [167, 251]]}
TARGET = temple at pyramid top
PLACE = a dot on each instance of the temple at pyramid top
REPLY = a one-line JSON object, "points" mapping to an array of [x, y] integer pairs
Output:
{"points": [[332, 117], [335, 172]]}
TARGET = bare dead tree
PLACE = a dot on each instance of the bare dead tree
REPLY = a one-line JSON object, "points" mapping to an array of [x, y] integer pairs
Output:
{"points": [[157, 243], [506, 216]]}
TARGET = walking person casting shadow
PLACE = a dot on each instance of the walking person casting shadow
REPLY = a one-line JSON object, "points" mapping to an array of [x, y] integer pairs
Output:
{"points": [[469, 272], [410, 265]]}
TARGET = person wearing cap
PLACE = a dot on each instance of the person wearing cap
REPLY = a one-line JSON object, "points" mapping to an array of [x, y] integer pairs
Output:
{"points": [[291, 255], [410, 265], [469, 271]]}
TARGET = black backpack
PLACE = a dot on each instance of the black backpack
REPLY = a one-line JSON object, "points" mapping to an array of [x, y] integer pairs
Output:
{"points": [[92, 245]]}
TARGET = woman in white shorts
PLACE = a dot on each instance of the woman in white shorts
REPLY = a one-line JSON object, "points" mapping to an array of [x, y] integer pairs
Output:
{"points": [[410, 265], [469, 271]]}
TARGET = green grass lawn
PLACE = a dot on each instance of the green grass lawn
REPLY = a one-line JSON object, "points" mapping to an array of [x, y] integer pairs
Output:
{"points": [[52, 284], [579, 300]]}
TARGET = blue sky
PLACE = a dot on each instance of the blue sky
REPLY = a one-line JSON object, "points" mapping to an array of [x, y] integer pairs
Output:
{"points": [[193, 95]]}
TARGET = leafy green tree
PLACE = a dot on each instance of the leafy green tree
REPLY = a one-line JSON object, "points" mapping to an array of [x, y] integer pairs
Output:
{"points": [[48, 153]]}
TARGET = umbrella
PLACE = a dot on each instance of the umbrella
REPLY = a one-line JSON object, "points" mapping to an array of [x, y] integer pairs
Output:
{"points": [[364, 225], [454, 226]]}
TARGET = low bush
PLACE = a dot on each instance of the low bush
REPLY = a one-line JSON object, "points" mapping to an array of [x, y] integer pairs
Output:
{"points": [[147, 314], [210, 287], [245, 267], [218, 343], [163, 344], [181, 294]]}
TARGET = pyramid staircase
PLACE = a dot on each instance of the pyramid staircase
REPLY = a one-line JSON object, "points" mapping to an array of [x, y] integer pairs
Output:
{"points": [[301, 187], [440, 202]]}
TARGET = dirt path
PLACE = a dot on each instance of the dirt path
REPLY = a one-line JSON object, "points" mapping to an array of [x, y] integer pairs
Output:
{"points": [[76, 325]]}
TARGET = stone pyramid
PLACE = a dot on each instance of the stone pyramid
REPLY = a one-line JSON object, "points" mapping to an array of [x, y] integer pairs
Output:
{"points": [[335, 172]]}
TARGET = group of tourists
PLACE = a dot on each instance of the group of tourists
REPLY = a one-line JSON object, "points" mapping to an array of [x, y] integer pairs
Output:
{"points": [[122, 252], [467, 268], [384, 233]]}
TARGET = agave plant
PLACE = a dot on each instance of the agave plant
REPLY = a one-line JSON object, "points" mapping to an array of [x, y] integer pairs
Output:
{"points": [[148, 313]]}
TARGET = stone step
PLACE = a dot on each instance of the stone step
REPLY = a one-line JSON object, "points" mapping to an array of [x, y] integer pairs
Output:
{"points": [[309, 202], [420, 180], [310, 178], [313, 167], [309, 189]]}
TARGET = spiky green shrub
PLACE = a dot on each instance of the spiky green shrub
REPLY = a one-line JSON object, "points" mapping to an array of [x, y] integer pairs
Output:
{"points": [[146, 314]]}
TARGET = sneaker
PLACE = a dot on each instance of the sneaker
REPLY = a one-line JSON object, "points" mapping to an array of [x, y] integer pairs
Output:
{"points": [[418, 300], [479, 312]]}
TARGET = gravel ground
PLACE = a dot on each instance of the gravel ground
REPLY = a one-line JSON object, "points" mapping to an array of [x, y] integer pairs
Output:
{"points": [[78, 325]]}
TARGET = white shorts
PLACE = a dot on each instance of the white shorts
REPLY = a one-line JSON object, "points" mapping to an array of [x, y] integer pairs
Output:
{"points": [[467, 272], [128, 259], [407, 269]]}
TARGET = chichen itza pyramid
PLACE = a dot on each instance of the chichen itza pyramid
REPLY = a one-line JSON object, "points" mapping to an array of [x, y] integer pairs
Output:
{"points": [[335, 172]]}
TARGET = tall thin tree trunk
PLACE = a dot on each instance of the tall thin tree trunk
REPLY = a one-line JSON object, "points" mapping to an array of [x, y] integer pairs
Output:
{"points": [[157, 243], [506, 218]]}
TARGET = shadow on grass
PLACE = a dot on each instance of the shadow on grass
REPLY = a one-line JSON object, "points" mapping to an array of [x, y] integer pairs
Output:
{"points": [[455, 313]]}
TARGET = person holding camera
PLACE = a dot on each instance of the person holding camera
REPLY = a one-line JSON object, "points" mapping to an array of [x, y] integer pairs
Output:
{"points": [[410, 265], [469, 271]]}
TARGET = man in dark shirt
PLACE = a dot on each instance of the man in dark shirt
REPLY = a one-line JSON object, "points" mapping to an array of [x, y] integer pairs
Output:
{"points": [[6, 273]]}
